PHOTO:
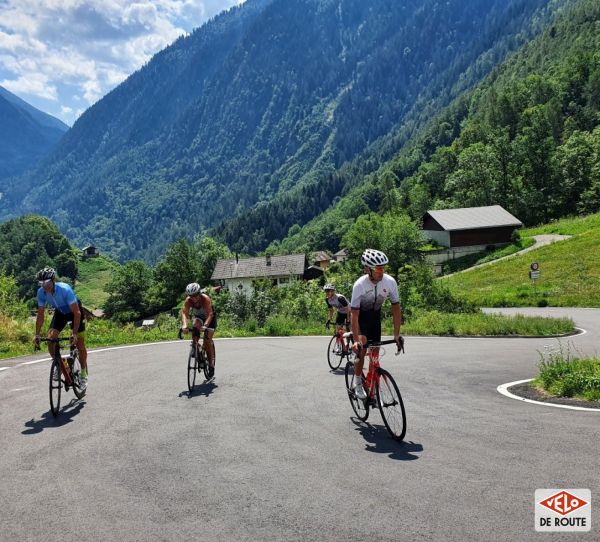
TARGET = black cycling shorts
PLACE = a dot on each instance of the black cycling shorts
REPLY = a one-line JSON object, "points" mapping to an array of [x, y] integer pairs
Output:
{"points": [[341, 319], [60, 320], [213, 322], [369, 324]]}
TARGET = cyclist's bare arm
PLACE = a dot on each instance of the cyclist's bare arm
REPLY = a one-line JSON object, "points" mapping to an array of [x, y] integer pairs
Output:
{"points": [[185, 316]]}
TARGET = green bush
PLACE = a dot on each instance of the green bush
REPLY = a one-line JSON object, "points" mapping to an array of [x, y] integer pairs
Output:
{"points": [[565, 373]]}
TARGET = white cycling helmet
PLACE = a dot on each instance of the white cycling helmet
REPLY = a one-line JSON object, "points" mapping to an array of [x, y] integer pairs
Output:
{"points": [[329, 287], [372, 258], [192, 289]]}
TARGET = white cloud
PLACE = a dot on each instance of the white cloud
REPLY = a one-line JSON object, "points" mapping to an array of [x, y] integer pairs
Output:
{"points": [[33, 85], [59, 50]]}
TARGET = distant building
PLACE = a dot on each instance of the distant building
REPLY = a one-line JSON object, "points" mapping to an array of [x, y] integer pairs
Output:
{"points": [[321, 259], [341, 255], [90, 252], [468, 230], [237, 274]]}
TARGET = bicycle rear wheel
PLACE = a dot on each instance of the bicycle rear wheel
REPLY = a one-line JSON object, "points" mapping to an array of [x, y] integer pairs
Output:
{"points": [[76, 375], [391, 405], [360, 407], [192, 368], [55, 387], [334, 353]]}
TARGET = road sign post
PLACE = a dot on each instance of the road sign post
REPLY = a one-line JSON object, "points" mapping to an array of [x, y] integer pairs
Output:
{"points": [[534, 274]]}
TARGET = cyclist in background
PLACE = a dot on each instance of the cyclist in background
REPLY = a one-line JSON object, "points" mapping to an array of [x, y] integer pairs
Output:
{"points": [[67, 308], [198, 306], [340, 303], [368, 294]]}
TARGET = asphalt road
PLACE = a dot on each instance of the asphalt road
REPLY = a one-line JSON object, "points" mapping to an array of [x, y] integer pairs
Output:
{"points": [[270, 451]]}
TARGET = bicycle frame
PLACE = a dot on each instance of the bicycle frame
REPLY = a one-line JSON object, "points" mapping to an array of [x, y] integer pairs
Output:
{"points": [[381, 391], [372, 379], [73, 352], [197, 343], [343, 337]]}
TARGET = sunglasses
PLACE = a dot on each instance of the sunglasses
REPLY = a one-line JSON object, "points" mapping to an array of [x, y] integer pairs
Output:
{"points": [[46, 282]]}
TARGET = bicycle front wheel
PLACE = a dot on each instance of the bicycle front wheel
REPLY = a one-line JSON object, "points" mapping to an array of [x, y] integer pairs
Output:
{"points": [[360, 407], [204, 363], [55, 387], [334, 353], [76, 375], [391, 405], [192, 368]]}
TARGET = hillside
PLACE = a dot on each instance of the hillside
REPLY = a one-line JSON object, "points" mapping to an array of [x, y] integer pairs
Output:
{"points": [[93, 276], [269, 98], [527, 138], [26, 135], [570, 271]]}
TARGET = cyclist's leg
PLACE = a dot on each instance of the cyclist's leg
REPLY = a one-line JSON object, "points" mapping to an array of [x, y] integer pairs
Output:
{"points": [[53, 333], [59, 321], [369, 323], [196, 331], [339, 328], [360, 356], [81, 348], [209, 346]]}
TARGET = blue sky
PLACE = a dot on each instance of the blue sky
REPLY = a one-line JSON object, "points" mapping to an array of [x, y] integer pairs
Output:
{"points": [[62, 56]]}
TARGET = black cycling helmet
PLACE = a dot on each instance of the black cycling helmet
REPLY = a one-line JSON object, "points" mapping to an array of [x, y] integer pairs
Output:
{"points": [[45, 274]]}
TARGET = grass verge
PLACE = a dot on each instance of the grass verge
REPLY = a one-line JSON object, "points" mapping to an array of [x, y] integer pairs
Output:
{"points": [[570, 277], [106, 333], [565, 373]]}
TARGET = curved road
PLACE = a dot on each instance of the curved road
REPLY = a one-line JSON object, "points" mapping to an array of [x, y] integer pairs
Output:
{"points": [[271, 452]]}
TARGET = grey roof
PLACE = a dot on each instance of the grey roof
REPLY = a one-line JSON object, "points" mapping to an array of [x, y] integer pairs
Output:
{"points": [[257, 267], [342, 252], [474, 217], [321, 256]]}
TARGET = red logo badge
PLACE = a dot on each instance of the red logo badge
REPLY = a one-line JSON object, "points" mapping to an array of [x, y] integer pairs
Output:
{"points": [[563, 503]]}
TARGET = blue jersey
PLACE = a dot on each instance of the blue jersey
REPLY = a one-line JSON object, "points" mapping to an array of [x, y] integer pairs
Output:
{"points": [[62, 297]]}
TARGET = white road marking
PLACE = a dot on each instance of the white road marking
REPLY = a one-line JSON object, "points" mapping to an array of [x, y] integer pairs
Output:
{"points": [[503, 389]]}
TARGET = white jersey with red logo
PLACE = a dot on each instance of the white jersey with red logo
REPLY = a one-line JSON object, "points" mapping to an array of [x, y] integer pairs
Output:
{"points": [[369, 296]]}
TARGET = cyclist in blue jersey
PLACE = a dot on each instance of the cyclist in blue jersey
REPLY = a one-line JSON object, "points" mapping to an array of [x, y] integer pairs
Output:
{"points": [[67, 309]]}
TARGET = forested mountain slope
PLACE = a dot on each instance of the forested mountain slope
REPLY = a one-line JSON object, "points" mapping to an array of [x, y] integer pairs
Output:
{"points": [[26, 135], [527, 138], [270, 97]]}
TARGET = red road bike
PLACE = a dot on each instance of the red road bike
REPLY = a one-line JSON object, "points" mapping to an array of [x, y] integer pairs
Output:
{"points": [[381, 388], [339, 347]]}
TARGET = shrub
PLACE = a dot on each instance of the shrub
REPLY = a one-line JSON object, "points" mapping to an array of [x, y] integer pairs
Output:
{"points": [[564, 373]]}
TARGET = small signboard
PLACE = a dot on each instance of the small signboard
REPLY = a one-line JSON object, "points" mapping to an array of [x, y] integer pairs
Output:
{"points": [[534, 275], [535, 266]]}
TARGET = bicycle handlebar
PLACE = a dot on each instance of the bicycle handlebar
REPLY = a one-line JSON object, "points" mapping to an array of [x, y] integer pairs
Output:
{"points": [[374, 344], [58, 340], [189, 328]]}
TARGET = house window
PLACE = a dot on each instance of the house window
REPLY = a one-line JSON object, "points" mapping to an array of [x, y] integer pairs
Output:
{"points": [[284, 280]]}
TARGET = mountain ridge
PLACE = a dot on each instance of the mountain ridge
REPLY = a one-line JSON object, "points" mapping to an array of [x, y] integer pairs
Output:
{"points": [[262, 100]]}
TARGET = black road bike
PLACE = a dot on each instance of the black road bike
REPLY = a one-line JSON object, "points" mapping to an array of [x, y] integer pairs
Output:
{"points": [[197, 360], [65, 372]]}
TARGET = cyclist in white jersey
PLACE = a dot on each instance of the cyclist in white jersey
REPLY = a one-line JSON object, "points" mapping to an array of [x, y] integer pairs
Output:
{"points": [[368, 294], [340, 303]]}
